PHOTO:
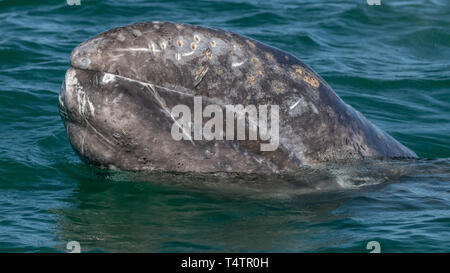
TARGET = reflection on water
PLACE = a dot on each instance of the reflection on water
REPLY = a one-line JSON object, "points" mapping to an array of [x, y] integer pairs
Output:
{"points": [[137, 212]]}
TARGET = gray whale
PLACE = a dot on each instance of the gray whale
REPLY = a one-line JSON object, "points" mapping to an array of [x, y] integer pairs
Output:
{"points": [[116, 98]]}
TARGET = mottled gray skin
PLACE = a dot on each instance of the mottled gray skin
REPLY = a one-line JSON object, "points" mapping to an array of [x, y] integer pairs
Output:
{"points": [[116, 101]]}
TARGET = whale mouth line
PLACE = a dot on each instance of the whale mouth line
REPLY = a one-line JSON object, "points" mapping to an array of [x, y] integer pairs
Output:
{"points": [[189, 92]]}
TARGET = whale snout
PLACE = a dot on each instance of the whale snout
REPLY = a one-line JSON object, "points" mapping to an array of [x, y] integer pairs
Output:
{"points": [[81, 56], [82, 62]]}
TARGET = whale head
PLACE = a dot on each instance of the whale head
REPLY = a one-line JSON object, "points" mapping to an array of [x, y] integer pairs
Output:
{"points": [[117, 97]]}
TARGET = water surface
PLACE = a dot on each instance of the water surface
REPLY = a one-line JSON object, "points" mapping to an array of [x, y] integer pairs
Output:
{"points": [[390, 62]]}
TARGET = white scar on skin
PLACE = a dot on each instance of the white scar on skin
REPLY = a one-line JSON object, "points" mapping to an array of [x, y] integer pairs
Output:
{"points": [[237, 64], [117, 99], [60, 100], [108, 78], [134, 49], [91, 106], [190, 53], [314, 109], [153, 48], [115, 57], [295, 104], [82, 100]]}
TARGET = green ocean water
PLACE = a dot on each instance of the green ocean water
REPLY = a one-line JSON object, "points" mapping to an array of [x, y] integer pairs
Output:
{"points": [[391, 62]]}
